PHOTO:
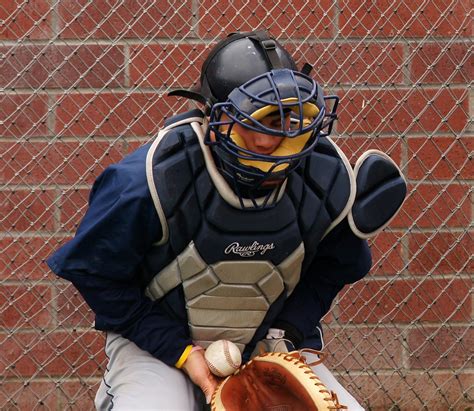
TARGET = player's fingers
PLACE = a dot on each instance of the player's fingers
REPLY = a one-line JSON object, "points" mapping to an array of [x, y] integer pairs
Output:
{"points": [[198, 371], [208, 388]]}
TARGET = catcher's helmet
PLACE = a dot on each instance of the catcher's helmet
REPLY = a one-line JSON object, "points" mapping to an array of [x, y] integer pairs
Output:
{"points": [[239, 58], [245, 78]]}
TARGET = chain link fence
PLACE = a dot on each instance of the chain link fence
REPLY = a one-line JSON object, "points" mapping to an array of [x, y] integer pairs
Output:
{"points": [[83, 83]]}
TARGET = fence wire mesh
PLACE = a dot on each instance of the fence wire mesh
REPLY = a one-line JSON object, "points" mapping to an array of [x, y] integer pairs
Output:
{"points": [[82, 83]]}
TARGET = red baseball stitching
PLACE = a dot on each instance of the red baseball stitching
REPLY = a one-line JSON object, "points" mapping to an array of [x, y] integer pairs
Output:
{"points": [[214, 370], [228, 357]]}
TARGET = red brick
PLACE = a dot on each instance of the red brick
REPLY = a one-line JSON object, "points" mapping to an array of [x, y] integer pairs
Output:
{"points": [[57, 163], [107, 19], [63, 66], [78, 395], [387, 254], [441, 252], [25, 306], [354, 147], [167, 65], [297, 18], [28, 395], [379, 392], [403, 111], [72, 207], [23, 115], [418, 18], [437, 110], [27, 210], [23, 259], [404, 301], [110, 114], [455, 386], [77, 353], [453, 64], [434, 348], [71, 308], [413, 391], [352, 349], [435, 205], [440, 158], [352, 63], [55, 354], [20, 19], [402, 219]]}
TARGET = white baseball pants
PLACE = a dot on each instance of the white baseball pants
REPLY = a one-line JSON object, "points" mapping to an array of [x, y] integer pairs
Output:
{"points": [[135, 380]]}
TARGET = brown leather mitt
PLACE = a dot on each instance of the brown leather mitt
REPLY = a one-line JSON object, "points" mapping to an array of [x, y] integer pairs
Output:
{"points": [[274, 382]]}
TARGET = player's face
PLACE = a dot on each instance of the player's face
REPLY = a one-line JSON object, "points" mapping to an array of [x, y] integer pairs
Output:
{"points": [[261, 143]]}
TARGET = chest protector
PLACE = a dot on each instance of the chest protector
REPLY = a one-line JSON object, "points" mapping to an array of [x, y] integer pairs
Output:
{"points": [[233, 264]]}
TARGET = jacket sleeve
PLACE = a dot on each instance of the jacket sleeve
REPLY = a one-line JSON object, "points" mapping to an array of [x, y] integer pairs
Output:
{"points": [[342, 258], [104, 257]]}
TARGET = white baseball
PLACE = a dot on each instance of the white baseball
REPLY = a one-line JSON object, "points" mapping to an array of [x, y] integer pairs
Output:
{"points": [[223, 358]]}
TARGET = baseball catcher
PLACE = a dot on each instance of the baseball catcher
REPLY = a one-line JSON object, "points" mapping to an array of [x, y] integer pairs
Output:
{"points": [[240, 217]]}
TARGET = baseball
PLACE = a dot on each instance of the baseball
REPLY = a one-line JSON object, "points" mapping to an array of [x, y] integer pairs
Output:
{"points": [[223, 358]]}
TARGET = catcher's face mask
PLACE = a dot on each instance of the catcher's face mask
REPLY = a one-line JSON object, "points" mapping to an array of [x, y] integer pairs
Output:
{"points": [[282, 104]]}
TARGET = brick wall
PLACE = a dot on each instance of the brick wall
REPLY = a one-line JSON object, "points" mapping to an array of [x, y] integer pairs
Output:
{"points": [[83, 84]]}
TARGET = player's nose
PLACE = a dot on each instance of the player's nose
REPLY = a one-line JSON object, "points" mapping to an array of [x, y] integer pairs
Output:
{"points": [[266, 144]]}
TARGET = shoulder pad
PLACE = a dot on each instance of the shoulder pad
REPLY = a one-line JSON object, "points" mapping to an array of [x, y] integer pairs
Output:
{"points": [[381, 191], [169, 143], [335, 169]]}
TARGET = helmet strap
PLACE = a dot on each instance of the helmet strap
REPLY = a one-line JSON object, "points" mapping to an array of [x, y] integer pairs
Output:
{"points": [[269, 47], [306, 69]]}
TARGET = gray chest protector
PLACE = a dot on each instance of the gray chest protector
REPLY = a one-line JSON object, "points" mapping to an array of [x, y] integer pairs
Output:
{"points": [[233, 264]]}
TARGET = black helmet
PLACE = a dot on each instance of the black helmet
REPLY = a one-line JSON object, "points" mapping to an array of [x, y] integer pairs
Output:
{"points": [[235, 60], [238, 59]]}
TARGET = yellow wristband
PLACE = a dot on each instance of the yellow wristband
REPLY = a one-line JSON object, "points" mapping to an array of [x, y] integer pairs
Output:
{"points": [[184, 356]]}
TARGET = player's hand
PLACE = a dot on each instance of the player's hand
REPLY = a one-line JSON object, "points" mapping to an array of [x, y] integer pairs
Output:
{"points": [[196, 368]]}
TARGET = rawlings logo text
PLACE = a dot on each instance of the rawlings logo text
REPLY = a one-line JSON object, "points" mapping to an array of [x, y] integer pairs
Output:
{"points": [[248, 250]]}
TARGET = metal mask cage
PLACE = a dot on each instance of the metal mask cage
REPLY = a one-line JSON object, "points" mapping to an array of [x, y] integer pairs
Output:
{"points": [[239, 152], [321, 126], [283, 89]]}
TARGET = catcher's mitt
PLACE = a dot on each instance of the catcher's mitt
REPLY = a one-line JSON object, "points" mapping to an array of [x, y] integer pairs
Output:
{"points": [[274, 382]]}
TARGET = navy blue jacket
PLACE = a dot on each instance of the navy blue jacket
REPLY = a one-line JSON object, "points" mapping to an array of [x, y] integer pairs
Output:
{"points": [[104, 260]]}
